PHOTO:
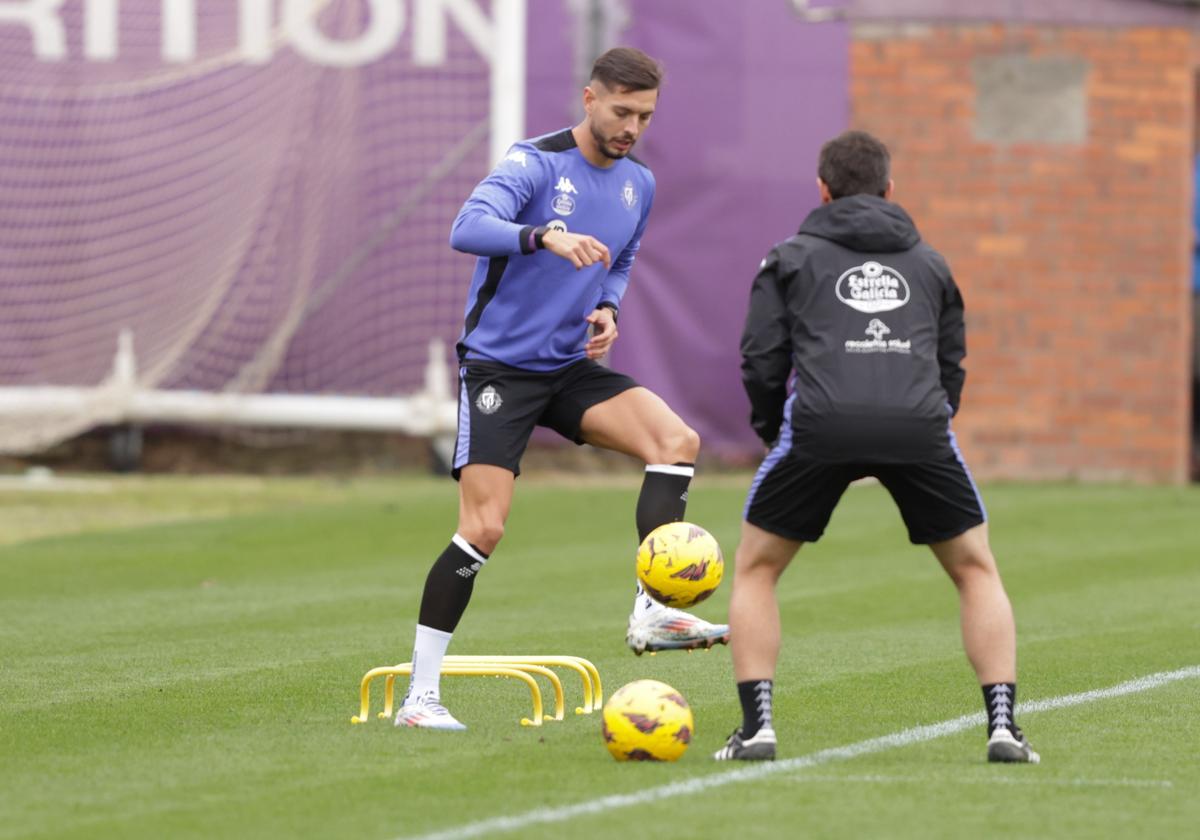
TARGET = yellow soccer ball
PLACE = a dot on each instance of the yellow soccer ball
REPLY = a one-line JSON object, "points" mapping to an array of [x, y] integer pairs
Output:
{"points": [[647, 720], [680, 564]]}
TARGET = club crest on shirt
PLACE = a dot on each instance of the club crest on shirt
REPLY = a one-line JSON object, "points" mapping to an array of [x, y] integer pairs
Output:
{"points": [[489, 400], [629, 196]]}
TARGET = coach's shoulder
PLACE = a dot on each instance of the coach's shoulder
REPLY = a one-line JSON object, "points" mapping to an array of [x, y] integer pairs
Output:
{"points": [[799, 246], [932, 256]]}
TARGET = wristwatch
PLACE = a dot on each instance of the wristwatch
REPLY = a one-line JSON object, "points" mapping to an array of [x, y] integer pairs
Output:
{"points": [[612, 307]]}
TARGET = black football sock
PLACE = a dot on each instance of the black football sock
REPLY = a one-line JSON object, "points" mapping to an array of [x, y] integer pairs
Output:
{"points": [[449, 585], [1001, 702], [664, 496], [756, 706]]}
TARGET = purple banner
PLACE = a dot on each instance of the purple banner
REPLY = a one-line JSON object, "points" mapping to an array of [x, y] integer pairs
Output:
{"points": [[751, 93], [265, 204]]}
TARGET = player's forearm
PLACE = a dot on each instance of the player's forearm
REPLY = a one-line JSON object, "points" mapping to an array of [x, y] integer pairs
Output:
{"points": [[478, 232], [614, 288]]}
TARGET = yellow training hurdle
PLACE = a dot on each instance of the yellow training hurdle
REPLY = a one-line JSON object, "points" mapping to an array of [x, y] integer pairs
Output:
{"points": [[514, 667]]}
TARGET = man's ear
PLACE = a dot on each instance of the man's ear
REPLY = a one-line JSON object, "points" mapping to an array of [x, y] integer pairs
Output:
{"points": [[823, 188]]}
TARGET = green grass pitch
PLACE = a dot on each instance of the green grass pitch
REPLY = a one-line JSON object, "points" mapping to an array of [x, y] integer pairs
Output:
{"points": [[181, 659]]}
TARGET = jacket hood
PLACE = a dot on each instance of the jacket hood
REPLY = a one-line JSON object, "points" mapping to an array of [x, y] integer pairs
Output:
{"points": [[865, 223]]}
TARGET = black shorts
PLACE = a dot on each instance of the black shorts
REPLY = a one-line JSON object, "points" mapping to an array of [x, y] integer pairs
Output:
{"points": [[793, 496], [498, 407]]}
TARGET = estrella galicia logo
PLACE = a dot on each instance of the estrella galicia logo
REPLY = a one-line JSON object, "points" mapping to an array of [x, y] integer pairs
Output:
{"points": [[629, 196], [872, 287], [489, 400], [563, 204]]}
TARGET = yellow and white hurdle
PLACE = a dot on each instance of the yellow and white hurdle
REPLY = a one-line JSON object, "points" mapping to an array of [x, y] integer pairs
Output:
{"points": [[522, 668]]}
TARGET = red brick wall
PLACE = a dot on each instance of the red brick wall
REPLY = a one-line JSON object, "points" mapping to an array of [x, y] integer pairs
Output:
{"points": [[1074, 259]]}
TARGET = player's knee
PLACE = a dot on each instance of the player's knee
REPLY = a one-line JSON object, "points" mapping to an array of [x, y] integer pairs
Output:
{"points": [[680, 444], [976, 566], [690, 444], [484, 533], [750, 562]]}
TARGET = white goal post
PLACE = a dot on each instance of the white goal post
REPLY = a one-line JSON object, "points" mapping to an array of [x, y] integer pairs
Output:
{"points": [[119, 399]]}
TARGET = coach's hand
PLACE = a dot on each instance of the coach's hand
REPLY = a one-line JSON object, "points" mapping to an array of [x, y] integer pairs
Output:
{"points": [[604, 335], [580, 249]]}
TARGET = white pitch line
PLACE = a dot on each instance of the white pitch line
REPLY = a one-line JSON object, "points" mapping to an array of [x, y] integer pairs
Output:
{"points": [[685, 787], [989, 780]]}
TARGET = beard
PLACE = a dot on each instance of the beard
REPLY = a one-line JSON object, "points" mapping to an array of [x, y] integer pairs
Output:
{"points": [[602, 144]]}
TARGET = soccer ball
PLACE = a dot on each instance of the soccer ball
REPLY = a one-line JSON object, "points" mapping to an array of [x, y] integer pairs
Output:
{"points": [[680, 564], [647, 720]]}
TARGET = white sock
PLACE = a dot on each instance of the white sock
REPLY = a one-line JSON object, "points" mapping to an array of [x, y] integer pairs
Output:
{"points": [[642, 603], [429, 649]]}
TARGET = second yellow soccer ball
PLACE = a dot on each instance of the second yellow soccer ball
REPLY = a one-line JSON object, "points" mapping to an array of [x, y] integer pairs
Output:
{"points": [[680, 564], [647, 720]]}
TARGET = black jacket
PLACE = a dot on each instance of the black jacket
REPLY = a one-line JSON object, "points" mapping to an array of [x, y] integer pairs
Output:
{"points": [[870, 319]]}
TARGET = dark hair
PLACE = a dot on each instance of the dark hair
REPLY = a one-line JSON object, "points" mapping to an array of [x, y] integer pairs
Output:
{"points": [[853, 163], [627, 68]]}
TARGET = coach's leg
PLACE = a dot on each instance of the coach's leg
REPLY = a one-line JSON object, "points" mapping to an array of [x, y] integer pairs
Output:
{"points": [[755, 638], [753, 608], [485, 497], [638, 422], [989, 637], [988, 631]]}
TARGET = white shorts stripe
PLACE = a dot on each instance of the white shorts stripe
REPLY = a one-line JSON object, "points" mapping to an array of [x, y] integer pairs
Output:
{"points": [[462, 448]]}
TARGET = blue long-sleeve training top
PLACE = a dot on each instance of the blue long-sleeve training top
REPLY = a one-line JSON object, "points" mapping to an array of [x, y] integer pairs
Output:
{"points": [[528, 308]]}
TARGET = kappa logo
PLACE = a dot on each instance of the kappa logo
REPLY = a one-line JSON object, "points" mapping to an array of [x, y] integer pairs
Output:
{"points": [[629, 196], [877, 330], [872, 287], [562, 203], [489, 400], [517, 157]]}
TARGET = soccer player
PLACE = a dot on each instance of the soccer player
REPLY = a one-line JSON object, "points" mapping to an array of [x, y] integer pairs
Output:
{"points": [[556, 226], [869, 318]]}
